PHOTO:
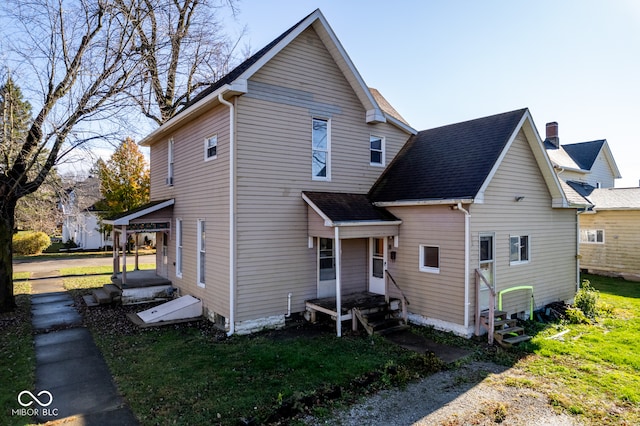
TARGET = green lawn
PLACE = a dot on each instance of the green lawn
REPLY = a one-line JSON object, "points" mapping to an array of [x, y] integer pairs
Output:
{"points": [[88, 277], [17, 356], [594, 370]]}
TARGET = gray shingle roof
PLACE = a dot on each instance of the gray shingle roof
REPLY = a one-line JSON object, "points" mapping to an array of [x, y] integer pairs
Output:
{"points": [[449, 162], [344, 207], [584, 153], [616, 198]]}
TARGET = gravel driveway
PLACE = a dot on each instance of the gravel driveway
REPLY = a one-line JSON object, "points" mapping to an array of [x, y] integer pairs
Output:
{"points": [[474, 394]]}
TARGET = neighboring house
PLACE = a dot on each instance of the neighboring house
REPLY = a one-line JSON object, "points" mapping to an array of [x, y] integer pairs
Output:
{"points": [[277, 186], [610, 228], [610, 233], [81, 223], [585, 162]]}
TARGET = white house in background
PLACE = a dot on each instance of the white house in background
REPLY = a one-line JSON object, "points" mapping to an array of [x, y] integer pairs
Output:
{"points": [[81, 223]]}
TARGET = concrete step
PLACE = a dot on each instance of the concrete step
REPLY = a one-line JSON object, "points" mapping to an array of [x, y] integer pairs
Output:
{"points": [[90, 301], [112, 290], [102, 297], [394, 329]]}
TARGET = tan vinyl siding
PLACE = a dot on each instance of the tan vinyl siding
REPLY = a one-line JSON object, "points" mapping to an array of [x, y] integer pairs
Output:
{"points": [[274, 167], [438, 296], [201, 191], [552, 232], [619, 253], [355, 271]]}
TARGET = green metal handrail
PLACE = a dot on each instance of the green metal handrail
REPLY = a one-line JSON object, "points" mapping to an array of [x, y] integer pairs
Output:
{"points": [[508, 290]]}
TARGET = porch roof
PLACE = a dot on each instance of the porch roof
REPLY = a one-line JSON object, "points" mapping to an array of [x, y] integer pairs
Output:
{"points": [[345, 209], [127, 217]]}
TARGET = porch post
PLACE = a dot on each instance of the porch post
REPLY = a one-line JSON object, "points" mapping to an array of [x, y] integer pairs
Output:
{"points": [[124, 254], [338, 248], [114, 249], [136, 242]]}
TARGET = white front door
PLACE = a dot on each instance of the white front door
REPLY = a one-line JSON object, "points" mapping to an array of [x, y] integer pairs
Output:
{"points": [[487, 268], [378, 264], [326, 267]]}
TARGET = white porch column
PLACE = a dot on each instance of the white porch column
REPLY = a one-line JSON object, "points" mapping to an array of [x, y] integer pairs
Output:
{"points": [[338, 248], [123, 235], [136, 268], [116, 258]]}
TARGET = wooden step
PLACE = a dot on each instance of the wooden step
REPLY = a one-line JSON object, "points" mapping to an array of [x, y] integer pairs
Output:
{"points": [[516, 339], [507, 322], [496, 314], [509, 331]]}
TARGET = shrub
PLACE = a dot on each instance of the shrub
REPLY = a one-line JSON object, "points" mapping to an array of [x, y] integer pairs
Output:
{"points": [[26, 243], [586, 299], [576, 316]]}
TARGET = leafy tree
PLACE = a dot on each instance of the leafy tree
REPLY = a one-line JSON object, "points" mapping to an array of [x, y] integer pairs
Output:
{"points": [[76, 57], [124, 179]]}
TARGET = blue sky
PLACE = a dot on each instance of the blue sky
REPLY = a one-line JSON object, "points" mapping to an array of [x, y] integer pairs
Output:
{"points": [[441, 62]]}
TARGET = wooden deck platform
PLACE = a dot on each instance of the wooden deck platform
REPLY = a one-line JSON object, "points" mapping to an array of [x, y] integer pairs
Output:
{"points": [[363, 299], [140, 279]]}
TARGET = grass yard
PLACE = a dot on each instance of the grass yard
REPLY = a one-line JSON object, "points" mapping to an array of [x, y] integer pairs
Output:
{"points": [[593, 371], [90, 277], [17, 356], [189, 375]]}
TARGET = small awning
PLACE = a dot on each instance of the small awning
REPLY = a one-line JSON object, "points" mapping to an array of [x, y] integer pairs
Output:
{"points": [[136, 216], [343, 209]]}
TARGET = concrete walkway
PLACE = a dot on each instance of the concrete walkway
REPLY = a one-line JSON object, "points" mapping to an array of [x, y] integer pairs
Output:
{"points": [[68, 363]]}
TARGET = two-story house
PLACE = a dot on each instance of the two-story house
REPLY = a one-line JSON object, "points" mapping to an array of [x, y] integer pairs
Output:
{"points": [[290, 180]]}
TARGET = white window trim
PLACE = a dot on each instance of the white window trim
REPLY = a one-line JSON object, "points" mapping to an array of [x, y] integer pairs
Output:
{"points": [[584, 236], [206, 148], [201, 250], [520, 262], [382, 151], [326, 178], [179, 248], [428, 269], [170, 163]]}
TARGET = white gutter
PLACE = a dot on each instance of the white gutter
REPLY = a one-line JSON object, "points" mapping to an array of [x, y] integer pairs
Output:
{"points": [[467, 243], [423, 202], [232, 215]]}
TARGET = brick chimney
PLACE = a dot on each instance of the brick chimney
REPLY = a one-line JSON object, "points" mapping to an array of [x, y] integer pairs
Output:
{"points": [[552, 140]]}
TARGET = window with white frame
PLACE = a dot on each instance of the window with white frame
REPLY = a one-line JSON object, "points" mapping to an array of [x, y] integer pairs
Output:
{"points": [[179, 248], [430, 259], [518, 249], [211, 148], [327, 260], [592, 236], [201, 253], [376, 148], [169, 180], [321, 150]]}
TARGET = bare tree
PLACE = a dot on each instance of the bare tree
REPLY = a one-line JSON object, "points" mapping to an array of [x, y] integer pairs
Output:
{"points": [[76, 57], [182, 48]]}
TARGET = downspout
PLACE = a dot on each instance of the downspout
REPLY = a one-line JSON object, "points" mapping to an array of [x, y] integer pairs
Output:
{"points": [[467, 244], [232, 215], [578, 213]]}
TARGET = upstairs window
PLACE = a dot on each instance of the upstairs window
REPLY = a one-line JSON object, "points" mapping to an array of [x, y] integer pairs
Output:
{"points": [[518, 249], [169, 180], [321, 150], [211, 148], [592, 236], [376, 147]]}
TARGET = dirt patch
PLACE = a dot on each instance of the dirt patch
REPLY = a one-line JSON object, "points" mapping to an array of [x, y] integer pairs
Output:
{"points": [[474, 394]]}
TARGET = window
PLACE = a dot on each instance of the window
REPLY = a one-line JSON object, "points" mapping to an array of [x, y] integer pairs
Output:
{"points": [[592, 236], [201, 253], [430, 259], [170, 163], [376, 146], [179, 248], [321, 144], [518, 249], [327, 260], [211, 148]]}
